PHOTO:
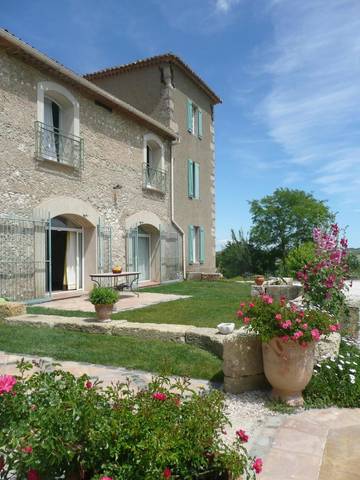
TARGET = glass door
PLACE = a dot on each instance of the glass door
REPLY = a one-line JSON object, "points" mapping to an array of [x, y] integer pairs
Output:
{"points": [[144, 257]]}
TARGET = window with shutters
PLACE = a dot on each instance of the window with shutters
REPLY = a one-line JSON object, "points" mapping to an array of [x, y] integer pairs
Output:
{"points": [[193, 180], [196, 243], [194, 119]]}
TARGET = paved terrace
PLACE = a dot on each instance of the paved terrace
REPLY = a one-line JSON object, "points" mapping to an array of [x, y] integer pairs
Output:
{"points": [[127, 301]]}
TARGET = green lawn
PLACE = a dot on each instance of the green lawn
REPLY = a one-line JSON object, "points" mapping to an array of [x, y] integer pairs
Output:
{"points": [[150, 355], [210, 304]]}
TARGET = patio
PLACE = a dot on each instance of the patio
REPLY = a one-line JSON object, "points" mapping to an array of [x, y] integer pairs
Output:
{"points": [[127, 301]]}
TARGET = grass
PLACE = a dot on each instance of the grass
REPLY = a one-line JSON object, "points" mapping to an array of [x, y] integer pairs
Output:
{"points": [[210, 304], [150, 355]]}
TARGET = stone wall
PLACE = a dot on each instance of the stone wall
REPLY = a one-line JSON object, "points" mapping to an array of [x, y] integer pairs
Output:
{"points": [[114, 155]]}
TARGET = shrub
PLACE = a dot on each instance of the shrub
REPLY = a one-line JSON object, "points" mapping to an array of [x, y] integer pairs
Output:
{"points": [[269, 319], [336, 382], [103, 296], [324, 277], [54, 425], [297, 258]]}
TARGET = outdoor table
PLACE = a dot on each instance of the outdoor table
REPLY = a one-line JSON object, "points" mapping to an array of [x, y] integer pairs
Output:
{"points": [[117, 281]]}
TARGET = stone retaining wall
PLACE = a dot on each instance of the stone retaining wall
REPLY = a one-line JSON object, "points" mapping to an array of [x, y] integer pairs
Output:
{"points": [[241, 352]]}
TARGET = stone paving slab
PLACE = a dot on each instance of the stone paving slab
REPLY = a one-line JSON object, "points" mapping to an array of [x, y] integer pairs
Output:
{"points": [[127, 301]]}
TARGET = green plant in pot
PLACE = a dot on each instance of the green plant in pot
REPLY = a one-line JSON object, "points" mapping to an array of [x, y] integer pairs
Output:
{"points": [[103, 298], [288, 336]]}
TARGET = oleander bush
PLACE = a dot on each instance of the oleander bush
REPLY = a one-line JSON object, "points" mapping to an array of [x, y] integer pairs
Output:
{"points": [[54, 425]]}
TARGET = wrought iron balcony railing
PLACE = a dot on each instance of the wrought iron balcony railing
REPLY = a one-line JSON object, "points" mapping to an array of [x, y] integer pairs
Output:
{"points": [[154, 179], [53, 144]]}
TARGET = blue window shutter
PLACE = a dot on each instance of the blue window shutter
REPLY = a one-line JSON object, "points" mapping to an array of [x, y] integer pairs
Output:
{"points": [[189, 115], [200, 123], [190, 178], [190, 244], [202, 245], [196, 180]]}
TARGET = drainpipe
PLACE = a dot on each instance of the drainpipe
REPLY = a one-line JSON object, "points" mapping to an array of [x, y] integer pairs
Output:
{"points": [[172, 214]]}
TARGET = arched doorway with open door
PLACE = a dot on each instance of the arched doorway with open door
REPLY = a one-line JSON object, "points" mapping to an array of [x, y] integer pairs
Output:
{"points": [[65, 251]]}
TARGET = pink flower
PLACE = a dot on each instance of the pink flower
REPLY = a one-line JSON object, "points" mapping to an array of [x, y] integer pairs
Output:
{"points": [[251, 305], [297, 335], [27, 449], [33, 475], [315, 334], [88, 384], [159, 396], [240, 313], [106, 478], [242, 305], [242, 435], [167, 473], [246, 320], [257, 465], [267, 299], [304, 326], [293, 307], [278, 316], [286, 324], [334, 328], [282, 300], [7, 383], [285, 338]]}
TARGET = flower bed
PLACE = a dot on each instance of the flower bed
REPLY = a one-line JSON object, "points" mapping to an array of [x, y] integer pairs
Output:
{"points": [[56, 426]]}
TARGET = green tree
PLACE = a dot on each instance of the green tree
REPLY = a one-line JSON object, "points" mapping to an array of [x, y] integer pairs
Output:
{"points": [[297, 258], [285, 219], [235, 258]]}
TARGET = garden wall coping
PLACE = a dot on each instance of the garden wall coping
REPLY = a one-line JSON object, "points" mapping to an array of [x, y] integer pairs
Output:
{"points": [[11, 309]]}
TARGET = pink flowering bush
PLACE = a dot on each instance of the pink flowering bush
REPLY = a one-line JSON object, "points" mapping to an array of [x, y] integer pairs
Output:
{"points": [[54, 425], [269, 318], [324, 276]]}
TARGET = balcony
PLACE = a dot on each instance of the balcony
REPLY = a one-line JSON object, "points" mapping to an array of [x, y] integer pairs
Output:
{"points": [[154, 179], [57, 146]]}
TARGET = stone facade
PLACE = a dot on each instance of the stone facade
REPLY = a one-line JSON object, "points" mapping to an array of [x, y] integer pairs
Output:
{"points": [[162, 91], [110, 186]]}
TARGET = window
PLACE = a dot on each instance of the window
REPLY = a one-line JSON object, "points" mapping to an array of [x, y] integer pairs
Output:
{"points": [[154, 172], [57, 126], [194, 119], [193, 179], [196, 244]]}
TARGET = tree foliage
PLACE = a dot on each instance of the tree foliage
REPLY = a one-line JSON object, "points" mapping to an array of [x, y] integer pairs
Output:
{"points": [[235, 258], [286, 219], [297, 258]]}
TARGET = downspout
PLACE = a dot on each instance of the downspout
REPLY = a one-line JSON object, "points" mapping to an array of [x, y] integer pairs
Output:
{"points": [[172, 213]]}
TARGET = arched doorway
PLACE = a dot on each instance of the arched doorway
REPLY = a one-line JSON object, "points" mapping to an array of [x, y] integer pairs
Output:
{"points": [[65, 251]]}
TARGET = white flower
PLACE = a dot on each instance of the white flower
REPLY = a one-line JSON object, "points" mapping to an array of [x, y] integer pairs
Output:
{"points": [[318, 365], [328, 366], [341, 356], [341, 367], [348, 363], [352, 378], [341, 361], [352, 370]]}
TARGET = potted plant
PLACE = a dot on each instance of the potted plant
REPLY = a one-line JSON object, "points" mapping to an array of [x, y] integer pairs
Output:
{"points": [[103, 298], [288, 336]]}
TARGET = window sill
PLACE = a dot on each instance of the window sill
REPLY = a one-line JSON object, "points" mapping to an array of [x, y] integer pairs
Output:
{"points": [[53, 162]]}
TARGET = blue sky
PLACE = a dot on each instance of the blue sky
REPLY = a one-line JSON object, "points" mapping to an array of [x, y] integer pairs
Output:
{"points": [[288, 72]]}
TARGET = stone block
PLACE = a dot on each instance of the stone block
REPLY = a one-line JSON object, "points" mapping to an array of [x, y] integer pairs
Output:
{"points": [[193, 276], [207, 338], [242, 354], [11, 309], [327, 347], [245, 383], [211, 277], [150, 331], [290, 292]]}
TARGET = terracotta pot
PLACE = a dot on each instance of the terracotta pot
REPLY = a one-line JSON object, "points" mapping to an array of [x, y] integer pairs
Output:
{"points": [[259, 279], [103, 312], [288, 368]]}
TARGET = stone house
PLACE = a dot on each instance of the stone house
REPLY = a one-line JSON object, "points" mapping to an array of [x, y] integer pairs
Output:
{"points": [[90, 178]]}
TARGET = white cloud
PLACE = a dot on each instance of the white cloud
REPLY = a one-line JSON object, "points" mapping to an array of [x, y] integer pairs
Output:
{"points": [[225, 5], [313, 108]]}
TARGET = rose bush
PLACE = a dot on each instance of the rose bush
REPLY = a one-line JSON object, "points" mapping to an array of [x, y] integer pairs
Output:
{"points": [[269, 318], [324, 276], [56, 426]]}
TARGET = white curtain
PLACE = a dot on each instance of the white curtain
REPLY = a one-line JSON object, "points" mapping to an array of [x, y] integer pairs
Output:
{"points": [[70, 261], [49, 137]]}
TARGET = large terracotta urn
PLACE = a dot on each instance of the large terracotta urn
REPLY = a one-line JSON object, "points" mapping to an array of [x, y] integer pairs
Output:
{"points": [[288, 368]]}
